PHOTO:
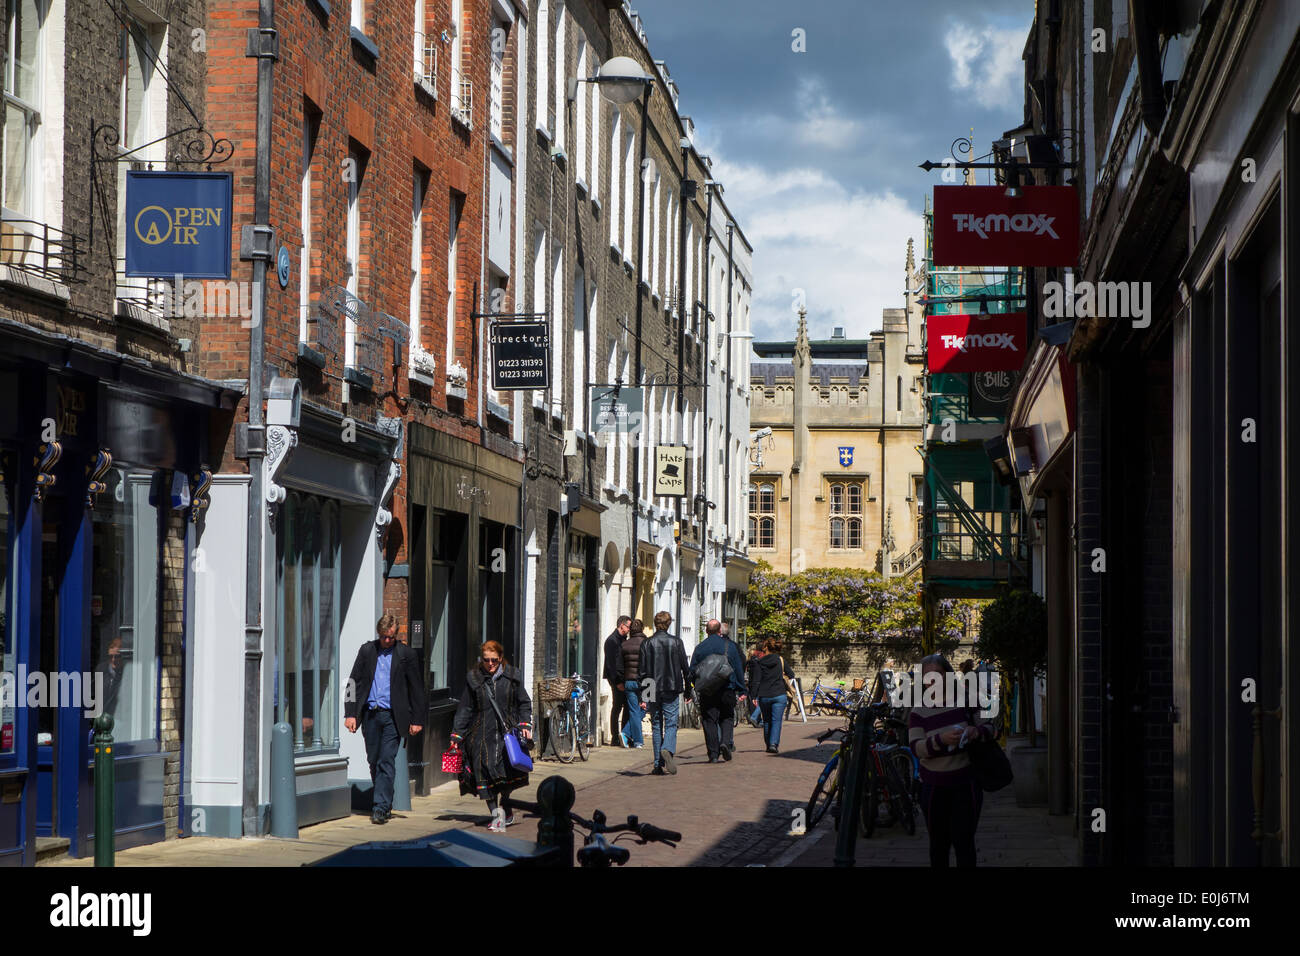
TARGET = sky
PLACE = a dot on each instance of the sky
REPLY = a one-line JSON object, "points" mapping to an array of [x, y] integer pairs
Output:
{"points": [[817, 150]]}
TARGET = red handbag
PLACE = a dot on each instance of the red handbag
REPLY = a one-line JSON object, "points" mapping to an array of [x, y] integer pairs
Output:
{"points": [[452, 761]]}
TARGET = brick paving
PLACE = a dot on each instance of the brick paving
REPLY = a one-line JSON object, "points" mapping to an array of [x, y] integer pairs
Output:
{"points": [[735, 813]]}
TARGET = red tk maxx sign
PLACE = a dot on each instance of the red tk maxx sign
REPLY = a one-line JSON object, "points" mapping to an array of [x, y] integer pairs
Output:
{"points": [[976, 343], [982, 226]]}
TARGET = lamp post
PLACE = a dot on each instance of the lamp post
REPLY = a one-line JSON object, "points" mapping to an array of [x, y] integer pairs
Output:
{"points": [[621, 80]]}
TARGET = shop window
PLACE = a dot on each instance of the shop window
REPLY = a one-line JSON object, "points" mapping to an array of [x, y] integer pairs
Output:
{"points": [[124, 603], [308, 590]]}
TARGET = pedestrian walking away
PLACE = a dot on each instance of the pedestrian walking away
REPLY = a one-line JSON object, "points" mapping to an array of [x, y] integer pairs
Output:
{"points": [[767, 673], [613, 662], [478, 730], [629, 684], [951, 797], [388, 703], [717, 670], [665, 679]]}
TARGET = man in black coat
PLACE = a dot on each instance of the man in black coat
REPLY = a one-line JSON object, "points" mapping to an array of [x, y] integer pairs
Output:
{"points": [[386, 696], [664, 679], [613, 661]]}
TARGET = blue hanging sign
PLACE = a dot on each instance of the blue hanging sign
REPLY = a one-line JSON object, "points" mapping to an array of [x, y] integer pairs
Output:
{"points": [[178, 224]]}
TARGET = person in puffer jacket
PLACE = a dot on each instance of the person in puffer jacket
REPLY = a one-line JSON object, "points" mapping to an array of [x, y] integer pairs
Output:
{"points": [[629, 682]]}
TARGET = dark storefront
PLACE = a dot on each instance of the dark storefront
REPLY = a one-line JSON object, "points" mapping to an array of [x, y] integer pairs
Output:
{"points": [[88, 571], [464, 572]]}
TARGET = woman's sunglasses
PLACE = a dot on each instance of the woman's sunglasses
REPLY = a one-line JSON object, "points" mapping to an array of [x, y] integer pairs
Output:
{"points": [[491, 660]]}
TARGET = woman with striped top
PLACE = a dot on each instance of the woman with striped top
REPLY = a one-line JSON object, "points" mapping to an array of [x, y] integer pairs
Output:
{"points": [[951, 797]]}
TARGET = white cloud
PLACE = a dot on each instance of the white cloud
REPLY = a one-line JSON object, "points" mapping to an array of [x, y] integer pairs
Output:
{"points": [[986, 61], [844, 247]]}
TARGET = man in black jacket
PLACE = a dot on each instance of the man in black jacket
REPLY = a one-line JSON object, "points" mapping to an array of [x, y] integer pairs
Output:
{"points": [[386, 695], [718, 707], [664, 678], [613, 661]]}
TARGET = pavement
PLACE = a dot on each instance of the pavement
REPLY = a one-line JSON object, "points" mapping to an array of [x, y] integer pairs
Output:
{"points": [[736, 813]]}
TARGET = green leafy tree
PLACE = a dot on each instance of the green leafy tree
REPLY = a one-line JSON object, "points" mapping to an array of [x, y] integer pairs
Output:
{"points": [[1013, 634]]}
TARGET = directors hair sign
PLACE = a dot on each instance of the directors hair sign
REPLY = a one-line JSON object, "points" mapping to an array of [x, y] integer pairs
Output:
{"points": [[975, 343], [178, 224], [983, 226]]}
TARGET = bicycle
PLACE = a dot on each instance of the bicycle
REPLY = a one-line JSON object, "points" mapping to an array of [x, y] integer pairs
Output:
{"points": [[570, 723], [887, 786], [827, 791], [596, 850], [820, 697]]}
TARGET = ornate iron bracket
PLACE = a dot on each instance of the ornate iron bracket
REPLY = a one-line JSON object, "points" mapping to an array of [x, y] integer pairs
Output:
{"points": [[198, 149], [96, 470], [384, 517], [280, 440], [200, 483], [47, 457]]}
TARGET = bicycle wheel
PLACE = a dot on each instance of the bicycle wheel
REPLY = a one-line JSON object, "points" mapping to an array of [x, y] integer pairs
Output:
{"points": [[823, 794], [562, 732], [900, 802], [871, 803], [583, 731]]}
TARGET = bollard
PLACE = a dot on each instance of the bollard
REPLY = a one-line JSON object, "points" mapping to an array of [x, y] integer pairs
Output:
{"points": [[284, 791], [555, 797], [401, 779], [104, 785]]}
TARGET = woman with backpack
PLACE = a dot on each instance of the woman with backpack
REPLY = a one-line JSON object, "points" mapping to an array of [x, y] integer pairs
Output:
{"points": [[951, 796], [495, 702], [767, 674]]}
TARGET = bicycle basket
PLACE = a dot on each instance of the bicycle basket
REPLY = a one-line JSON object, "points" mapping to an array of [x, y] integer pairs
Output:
{"points": [[557, 689], [859, 683]]}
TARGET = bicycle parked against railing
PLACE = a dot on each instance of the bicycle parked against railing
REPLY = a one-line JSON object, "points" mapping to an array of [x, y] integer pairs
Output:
{"points": [[887, 794], [570, 723]]}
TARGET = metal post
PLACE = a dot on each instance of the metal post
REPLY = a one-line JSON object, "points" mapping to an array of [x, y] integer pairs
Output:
{"points": [[401, 779], [636, 377], [555, 797], [284, 790], [104, 786], [851, 809]]}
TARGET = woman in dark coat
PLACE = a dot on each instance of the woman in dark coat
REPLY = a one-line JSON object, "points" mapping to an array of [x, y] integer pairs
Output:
{"points": [[477, 729]]}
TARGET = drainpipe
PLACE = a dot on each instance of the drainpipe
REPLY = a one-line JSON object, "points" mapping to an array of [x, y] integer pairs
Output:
{"points": [[264, 45]]}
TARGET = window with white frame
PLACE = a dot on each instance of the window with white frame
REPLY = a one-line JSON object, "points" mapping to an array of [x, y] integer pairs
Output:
{"points": [[653, 236], [592, 325], [24, 68], [356, 162], [629, 192], [539, 287], [496, 79], [615, 167], [142, 95], [597, 107], [359, 14], [611, 372], [306, 217], [579, 345], [670, 244], [624, 444], [557, 329], [455, 368], [542, 68], [419, 185], [580, 117], [561, 77], [461, 96]]}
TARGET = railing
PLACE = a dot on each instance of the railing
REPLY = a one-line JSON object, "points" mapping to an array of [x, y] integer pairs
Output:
{"points": [[909, 561], [462, 99], [38, 249], [426, 63], [149, 295]]}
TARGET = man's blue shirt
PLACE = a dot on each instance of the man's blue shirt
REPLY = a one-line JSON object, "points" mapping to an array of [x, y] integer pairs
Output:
{"points": [[380, 695]]}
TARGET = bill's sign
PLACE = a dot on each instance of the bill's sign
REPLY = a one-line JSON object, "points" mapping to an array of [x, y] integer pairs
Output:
{"points": [[983, 226], [178, 224], [976, 343]]}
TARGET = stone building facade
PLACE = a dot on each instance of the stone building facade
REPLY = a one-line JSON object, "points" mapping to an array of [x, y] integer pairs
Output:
{"points": [[837, 483]]}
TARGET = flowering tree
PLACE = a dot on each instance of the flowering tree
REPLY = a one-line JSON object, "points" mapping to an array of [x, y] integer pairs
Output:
{"points": [[846, 605]]}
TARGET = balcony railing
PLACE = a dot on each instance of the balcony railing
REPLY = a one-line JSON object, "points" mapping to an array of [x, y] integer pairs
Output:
{"points": [[153, 296], [38, 249], [426, 63], [462, 99]]}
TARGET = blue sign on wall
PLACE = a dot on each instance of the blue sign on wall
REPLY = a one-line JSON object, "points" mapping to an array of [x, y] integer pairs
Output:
{"points": [[178, 224]]}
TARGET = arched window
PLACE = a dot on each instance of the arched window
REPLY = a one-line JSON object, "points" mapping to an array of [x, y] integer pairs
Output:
{"points": [[837, 532], [846, 500], [762, 527], [854, 537], [900, 393], [837, 498], [767, 533], [855, 499]]}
